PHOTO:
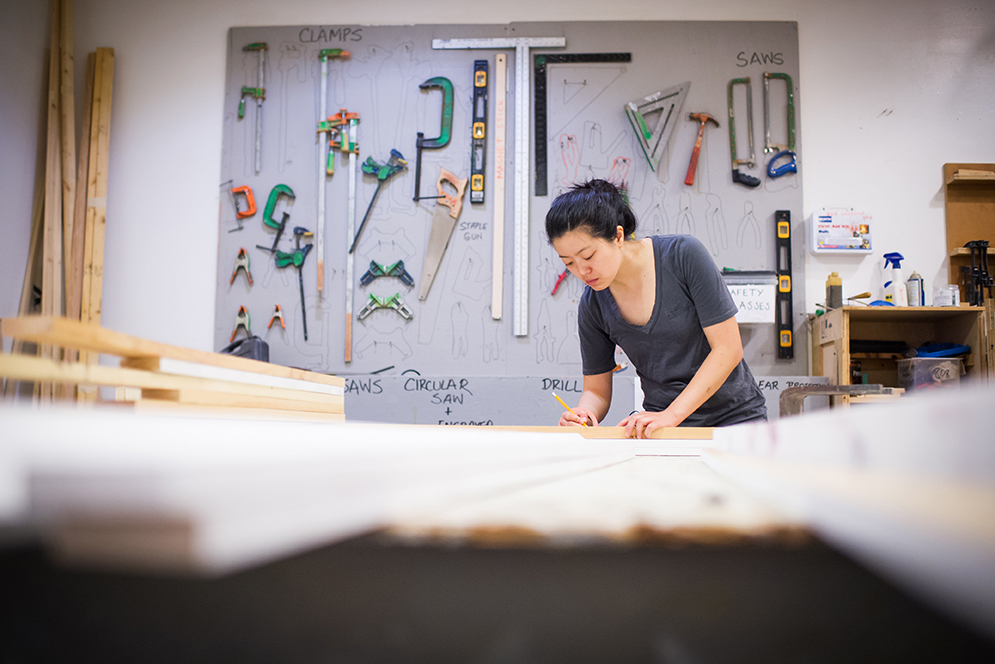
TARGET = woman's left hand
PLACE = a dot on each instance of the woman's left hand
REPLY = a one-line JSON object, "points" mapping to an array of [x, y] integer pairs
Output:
{"points": [[642, 424]]}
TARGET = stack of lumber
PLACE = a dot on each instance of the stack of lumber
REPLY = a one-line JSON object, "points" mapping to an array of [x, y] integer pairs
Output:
{"points": [[65, 254], [172, 379]]}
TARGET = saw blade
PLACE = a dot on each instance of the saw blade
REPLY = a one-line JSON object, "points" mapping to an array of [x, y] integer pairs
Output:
{"points": [[444, 219]]}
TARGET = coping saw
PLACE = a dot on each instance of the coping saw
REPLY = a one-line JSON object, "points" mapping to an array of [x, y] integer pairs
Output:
{"points": [[446, 131], [447, 211], [259, 93], [668, 103]]}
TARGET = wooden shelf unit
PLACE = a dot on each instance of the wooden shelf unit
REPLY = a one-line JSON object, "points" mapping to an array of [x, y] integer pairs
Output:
{"points": [[969, 192], [914, 325]]}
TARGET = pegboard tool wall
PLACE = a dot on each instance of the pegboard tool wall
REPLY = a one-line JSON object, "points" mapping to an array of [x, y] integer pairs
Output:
{"points": [[452, 332]]}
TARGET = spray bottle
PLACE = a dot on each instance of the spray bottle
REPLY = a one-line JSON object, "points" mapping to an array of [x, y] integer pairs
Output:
{"points": [[894, 285]]}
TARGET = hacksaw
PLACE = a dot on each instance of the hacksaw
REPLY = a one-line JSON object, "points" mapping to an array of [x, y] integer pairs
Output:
{"points": [[447, 211], [668, 103]]}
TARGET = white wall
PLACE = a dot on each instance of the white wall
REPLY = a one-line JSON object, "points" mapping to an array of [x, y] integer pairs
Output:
{"points": [[889, 91]]}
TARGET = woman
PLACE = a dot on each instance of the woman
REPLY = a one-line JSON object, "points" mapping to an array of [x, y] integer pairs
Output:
{"points": [[663, 301]]}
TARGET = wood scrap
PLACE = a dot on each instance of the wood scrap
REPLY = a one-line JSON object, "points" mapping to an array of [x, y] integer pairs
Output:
{"points": [[74, 272], [67, 112], [173, 388], [51, 290], [63, 332], [96, 206]]}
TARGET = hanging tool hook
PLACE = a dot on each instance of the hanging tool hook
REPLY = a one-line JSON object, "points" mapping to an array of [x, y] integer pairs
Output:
{"points": [[446, 131]]}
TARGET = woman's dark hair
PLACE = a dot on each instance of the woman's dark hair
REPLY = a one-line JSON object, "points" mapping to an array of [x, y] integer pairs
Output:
{"points": [[596, 207]]}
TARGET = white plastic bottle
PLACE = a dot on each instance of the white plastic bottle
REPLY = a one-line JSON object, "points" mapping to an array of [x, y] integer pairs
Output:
{"points": [[894, 285], [915, 290]]}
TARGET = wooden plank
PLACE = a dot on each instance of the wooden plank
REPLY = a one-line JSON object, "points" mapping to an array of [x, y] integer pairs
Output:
{"points": [[67, 129], [40, 369], [167, 365], [255, 491], [74, 271], [62, 332], [51, 290], [643, 501], [32, 273], [158, 408], [606, 433], [96, 206], [193, 397]]}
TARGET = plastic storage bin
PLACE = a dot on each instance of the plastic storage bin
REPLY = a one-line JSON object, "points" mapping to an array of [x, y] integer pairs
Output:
{"points": [[919, 373]]}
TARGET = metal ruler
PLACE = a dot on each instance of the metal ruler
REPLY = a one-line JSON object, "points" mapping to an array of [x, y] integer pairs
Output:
{"points": [[520, 294], [350, 231], [542, 139], [319, 237], [785, 344], [500, 124]]}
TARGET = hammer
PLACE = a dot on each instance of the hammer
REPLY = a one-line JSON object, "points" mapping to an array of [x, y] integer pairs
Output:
{"points": [[693, 166]]}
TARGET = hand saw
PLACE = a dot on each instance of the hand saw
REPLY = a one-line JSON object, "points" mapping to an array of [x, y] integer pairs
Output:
{"points": [[443, 222]]}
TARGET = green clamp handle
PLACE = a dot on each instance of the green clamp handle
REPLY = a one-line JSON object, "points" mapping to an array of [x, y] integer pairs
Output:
{"points": [[274, 196], [447, 113]]}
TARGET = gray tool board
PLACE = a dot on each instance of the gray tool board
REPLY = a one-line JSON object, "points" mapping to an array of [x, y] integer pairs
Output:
{"points": [[588, 135]]}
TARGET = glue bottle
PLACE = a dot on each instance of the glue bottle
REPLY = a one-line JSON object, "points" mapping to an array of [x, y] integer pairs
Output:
{"points": [[894, 286], [834, 291], [916, 294]]}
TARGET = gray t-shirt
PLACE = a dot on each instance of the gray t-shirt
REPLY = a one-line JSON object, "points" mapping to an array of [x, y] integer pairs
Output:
{"points": [[667, 351]]}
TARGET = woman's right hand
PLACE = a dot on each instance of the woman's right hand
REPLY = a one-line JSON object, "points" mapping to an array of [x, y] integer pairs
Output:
{"points": [[579, 417]]}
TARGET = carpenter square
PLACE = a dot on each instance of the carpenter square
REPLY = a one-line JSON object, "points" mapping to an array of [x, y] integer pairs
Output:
{"points": [[522, 46], [668, 103], [443, 222], [541, 129]]}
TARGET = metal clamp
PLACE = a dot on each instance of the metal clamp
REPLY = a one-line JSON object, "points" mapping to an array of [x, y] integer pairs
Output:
{"points": [[393, 302], [791, 399]]}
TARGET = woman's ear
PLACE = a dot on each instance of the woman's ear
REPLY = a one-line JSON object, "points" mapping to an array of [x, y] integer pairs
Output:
{"points": [[619, 235]]}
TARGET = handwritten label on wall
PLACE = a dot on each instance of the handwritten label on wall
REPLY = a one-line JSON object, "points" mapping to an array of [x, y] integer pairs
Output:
{"points": [[755, 302]]}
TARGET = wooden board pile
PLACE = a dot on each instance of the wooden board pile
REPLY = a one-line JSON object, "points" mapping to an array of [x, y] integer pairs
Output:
{"points": [[168, 378], [65, 254]]}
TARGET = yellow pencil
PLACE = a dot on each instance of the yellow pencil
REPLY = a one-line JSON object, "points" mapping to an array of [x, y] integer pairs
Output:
{"points": [[563, 403]]}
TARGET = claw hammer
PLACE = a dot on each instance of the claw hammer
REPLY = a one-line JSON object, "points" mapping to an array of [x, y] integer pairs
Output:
{"points": [[693, 166]]}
